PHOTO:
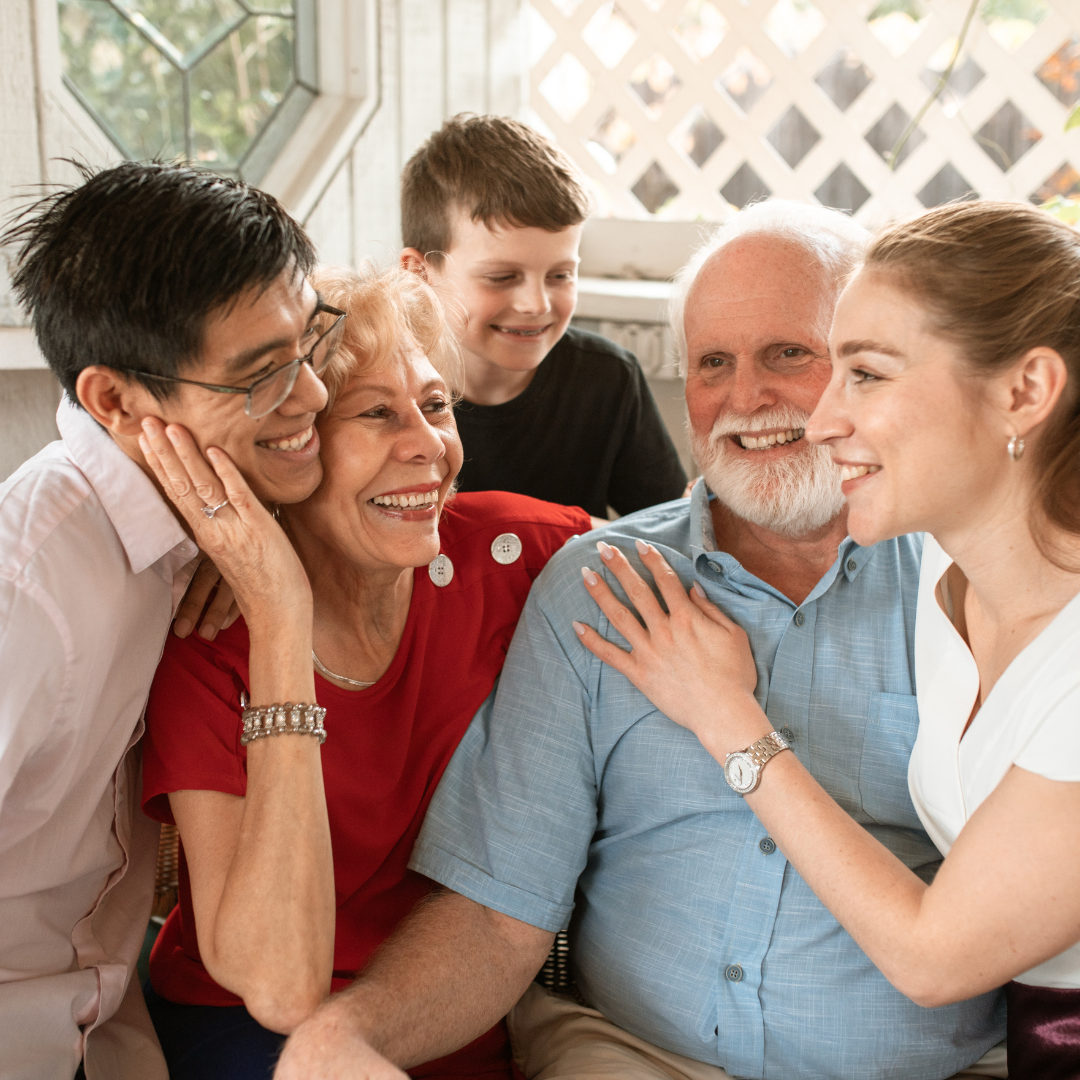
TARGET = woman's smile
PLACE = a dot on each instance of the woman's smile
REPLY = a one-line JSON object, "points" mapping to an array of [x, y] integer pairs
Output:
{"points": [[419, 502]]}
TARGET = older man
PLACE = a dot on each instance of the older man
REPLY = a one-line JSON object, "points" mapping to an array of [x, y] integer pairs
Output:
{"points": [[572, 800]]}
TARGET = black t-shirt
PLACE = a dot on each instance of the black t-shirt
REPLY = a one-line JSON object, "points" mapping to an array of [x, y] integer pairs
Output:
{"points": [[585, 432]]}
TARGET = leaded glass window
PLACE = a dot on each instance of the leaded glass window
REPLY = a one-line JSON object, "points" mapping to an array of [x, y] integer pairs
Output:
{"points": [[219, 82]]}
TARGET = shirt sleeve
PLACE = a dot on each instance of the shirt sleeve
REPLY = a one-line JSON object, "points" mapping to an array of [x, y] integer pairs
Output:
{"points": [[33, 642], [512, 819], [1053, 750], [647, 469], [193, 724]]}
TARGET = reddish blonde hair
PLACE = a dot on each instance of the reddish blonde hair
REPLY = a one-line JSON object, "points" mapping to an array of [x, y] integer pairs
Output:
{"points": [[998, 279], [387, 309]]}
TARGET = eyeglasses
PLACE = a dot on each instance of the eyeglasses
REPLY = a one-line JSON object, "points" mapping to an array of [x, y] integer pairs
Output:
{"points": [[266, 394]]}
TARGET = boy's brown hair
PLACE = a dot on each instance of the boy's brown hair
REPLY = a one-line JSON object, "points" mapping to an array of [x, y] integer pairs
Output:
{"points": [[498, 170]]}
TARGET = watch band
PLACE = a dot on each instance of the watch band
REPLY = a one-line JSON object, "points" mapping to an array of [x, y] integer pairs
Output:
{"points": [[766, 748]]}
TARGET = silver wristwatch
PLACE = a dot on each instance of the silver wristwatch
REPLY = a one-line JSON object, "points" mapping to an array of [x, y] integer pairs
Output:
{"points": [[742, 770]]}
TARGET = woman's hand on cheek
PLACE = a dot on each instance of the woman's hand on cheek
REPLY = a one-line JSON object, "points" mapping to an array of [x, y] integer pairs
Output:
{"points": [[241, 538], [692, 662]]}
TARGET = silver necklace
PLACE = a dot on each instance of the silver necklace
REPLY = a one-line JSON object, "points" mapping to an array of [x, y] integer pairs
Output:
{"points": [[343, 678]]}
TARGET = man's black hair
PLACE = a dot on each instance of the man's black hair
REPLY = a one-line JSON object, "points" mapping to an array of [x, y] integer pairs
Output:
{"points": [[124, 269]]}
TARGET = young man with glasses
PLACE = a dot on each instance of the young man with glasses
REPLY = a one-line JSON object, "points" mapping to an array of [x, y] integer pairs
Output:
{"points": [[166, 301]]}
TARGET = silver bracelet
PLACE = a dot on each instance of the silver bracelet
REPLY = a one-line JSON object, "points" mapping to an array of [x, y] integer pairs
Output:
{"points": [[287, 719]]}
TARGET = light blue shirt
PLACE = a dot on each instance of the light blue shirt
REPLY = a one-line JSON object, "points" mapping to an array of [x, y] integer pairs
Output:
{"points": [[572, 800]]}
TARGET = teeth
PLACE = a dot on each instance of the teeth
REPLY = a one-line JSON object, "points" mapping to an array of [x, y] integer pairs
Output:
{"points": [[408, 502], [850, 472], [763, 442], [296, 442], [521, 333]]}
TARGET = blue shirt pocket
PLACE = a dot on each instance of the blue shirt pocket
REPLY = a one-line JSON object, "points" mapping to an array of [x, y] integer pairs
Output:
{"points": [[891, 728]]}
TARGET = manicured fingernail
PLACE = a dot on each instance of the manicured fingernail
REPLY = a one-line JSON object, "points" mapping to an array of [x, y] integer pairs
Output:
{"points": [[699, 590], [642, 547], [578, 629], [182, 627], [208, 631], [606, 551], [590, 578]]}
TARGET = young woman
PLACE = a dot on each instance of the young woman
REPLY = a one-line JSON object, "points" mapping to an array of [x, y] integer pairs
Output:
{"points": [[383, 600], [954, 409]]}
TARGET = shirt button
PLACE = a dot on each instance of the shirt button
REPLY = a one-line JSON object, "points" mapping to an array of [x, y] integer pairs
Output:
{"points": [[800, 618], [441, 570], [852, 566], [789, 735], [733, 973], [506, 548], [768, 845]]}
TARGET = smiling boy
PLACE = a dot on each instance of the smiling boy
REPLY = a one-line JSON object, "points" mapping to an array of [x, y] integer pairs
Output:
{"points": [[159, 295], [492, 215]]}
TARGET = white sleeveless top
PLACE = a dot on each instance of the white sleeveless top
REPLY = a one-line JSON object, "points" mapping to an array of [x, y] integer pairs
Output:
{"points": [[1031, 718]]}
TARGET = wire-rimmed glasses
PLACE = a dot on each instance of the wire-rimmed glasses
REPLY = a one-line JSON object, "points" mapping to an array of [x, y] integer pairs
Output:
{"points": [[264, 395]]}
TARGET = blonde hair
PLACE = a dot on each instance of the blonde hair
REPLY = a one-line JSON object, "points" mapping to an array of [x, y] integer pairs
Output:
{"points": [[998, 279], [387, 309]]}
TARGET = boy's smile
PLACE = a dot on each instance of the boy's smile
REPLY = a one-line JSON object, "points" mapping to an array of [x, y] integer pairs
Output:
{"points": [[517, 287]]}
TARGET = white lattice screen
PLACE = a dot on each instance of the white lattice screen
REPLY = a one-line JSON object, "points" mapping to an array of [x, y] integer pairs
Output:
{"points": [[681, 109]]}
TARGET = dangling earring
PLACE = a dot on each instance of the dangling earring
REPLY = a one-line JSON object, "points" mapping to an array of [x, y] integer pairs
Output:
{"points": [[1016, 448]]}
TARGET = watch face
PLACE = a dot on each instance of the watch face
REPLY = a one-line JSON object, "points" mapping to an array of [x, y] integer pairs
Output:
{"points": [[741, 772]]}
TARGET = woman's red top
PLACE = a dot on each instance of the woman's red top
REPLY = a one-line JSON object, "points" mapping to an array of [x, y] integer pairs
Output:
{"points": [[386, 746]]}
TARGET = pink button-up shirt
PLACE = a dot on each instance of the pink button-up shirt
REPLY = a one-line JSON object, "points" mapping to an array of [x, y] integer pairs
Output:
{"points": [[92, 566]]}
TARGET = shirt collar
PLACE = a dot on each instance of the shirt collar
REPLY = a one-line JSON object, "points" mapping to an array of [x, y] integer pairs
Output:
{"points": [[714, 565], [138, 512]]}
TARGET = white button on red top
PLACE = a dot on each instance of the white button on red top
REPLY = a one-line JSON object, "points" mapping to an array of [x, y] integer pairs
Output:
{"points": [[506, 548]]}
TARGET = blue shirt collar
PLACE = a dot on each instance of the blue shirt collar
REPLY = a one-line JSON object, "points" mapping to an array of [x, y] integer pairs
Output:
{"points": [[850, 557]]}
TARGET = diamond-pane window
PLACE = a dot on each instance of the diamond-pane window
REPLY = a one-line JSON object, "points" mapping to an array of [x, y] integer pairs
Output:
{"points": [[745, 186], [946, 185], [793, 25], [1007, 136], [1064, 182], [1012, 22], [746, 80], [610, 139], [654, 82], [700, 29], [897, 23], [609, 33], [842, 190], [204, 80], [1060, 73], [567, 86], [793, 136], [884, 135], [698, 137], [654, 189], [844, 78]]}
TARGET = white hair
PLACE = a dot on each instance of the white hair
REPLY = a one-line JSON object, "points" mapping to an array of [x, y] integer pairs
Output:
{"points": [[829, 236]]}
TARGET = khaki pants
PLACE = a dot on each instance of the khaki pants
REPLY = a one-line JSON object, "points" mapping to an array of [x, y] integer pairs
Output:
{"points": [[555, 1038]]}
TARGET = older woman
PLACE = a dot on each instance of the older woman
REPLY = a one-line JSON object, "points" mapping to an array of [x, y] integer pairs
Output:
{"points": [[295, 854], [954, 409]]}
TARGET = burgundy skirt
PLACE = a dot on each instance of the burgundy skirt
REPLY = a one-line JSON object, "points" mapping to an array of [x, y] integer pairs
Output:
{"points": [[1044, 1033]]}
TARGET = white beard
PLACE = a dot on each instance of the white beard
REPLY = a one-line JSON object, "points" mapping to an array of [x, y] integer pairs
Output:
{"points": [[791, 496]]}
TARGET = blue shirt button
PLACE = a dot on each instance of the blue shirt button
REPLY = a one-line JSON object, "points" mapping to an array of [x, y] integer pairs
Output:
{"points": [[789, 735], [733, 973], [800, 618], [852, 566], [768, 845]]}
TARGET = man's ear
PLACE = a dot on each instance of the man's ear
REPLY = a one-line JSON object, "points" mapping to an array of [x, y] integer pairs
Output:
{"points": [[413, 261], [1034, 386], [116, 403]]}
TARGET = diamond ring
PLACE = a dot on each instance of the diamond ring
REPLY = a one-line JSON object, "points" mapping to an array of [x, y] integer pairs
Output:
{"points": [[210, 511]]}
